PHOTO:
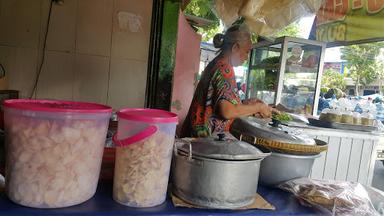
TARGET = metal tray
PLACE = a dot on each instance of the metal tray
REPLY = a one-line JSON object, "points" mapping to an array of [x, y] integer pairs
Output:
{"points": [[341, 126]]}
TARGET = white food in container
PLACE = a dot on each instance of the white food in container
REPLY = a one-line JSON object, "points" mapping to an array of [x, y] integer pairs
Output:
{"points": [[53, 162], [142, 171]]}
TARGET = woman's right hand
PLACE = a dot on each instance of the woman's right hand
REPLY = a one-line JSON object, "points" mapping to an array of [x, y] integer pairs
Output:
{"points": [[252, 101], [263, 110]]}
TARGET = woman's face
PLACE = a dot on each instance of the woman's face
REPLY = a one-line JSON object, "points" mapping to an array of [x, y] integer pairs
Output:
{"points": [[240, 53]]}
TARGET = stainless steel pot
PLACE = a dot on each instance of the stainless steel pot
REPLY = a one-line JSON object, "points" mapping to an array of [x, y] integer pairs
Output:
{"points": [[278, 167], [216, 182]]}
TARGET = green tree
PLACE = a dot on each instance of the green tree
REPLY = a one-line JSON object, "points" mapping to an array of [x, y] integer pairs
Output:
{"points": [[291, 30], [333, 79], [380, 70], [203, 9], [362, 63]]}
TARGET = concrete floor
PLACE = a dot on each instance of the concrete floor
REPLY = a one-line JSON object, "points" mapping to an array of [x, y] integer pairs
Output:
{"points": [[378, 176]]}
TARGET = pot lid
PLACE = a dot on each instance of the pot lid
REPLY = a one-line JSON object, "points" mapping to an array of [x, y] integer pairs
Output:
{"points": [[221, 148], [262, 129]]}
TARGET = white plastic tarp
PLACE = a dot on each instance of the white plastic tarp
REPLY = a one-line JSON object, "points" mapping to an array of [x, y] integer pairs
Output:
{"points": [[265, 17]]}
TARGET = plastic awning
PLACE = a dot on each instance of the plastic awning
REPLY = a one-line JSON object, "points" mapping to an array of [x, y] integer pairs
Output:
{"points": [[265, 17]]}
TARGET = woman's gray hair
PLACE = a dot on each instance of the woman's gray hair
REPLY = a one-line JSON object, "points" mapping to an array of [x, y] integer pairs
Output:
{"points": [[234, 34]]}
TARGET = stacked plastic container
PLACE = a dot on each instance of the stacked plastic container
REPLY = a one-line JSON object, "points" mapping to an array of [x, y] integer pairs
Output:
{"points": [[53, 151], [144, 143]]}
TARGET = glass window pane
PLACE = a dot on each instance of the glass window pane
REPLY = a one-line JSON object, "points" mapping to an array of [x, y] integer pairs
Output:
{"points": [[299, 84]]}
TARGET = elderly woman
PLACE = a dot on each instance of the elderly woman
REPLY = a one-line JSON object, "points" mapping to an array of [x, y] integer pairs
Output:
{"points": [[216, 102]]}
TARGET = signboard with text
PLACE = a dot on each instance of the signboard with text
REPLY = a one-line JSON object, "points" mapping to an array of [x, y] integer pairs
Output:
{"points": [[350, 20]]}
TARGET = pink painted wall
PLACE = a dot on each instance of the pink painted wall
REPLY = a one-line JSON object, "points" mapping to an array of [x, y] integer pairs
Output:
{"points": [[186, 68]]}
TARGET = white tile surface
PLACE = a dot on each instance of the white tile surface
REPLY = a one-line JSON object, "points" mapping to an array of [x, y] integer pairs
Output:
{"points": [[44, 14], [91, 78], [56, 79], [21, 68], [127, 83], [62, 29], [4, 55], [94, 27], [4, 60], [79, 46], [20, 23], [126, 42]]}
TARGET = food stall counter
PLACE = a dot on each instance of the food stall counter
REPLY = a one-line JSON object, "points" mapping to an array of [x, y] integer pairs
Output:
{"points": [[103, 204], [351, 154]]}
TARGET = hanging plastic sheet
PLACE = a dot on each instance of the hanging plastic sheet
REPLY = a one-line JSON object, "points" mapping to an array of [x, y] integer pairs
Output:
{"points": [[265, 17]]}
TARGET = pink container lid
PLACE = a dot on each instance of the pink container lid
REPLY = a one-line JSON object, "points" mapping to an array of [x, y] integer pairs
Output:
{"points": [[148, 115], [57, 106]]}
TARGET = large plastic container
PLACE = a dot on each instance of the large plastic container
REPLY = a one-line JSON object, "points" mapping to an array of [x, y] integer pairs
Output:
{"points": [[53, 151], [144, 143]]}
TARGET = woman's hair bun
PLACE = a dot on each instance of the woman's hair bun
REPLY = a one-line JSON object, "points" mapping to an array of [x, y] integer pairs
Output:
{"points": [[218, 40]]}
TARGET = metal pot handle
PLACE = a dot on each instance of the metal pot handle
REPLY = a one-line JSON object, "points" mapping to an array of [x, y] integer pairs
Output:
{"points": [[175, 149], [189, 152]]}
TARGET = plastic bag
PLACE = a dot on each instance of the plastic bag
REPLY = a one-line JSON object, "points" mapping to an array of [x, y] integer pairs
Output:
{"points": [[377, 199], [265, 17], [333, 197], [228, 10], [251, 8], [276, 14]]}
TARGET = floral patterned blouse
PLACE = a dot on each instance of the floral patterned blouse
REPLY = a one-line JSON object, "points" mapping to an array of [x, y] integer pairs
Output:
{"points": [[217, 83]]}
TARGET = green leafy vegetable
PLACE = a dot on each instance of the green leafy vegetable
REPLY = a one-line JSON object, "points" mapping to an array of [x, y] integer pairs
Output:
{"points": [[283, 117]]}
